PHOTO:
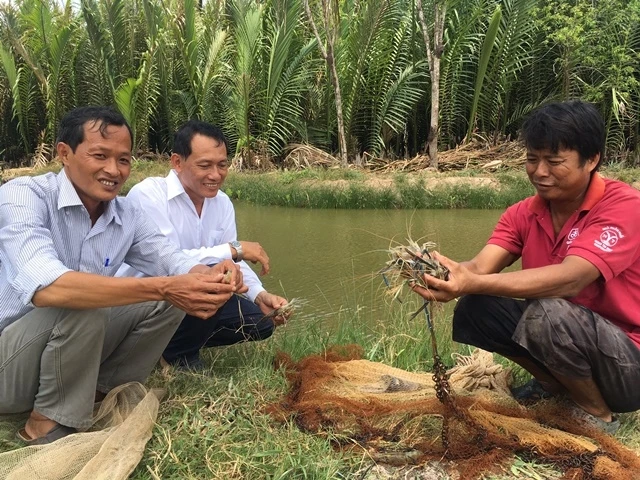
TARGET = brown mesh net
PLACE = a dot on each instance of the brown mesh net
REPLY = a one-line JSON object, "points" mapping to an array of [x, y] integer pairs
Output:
{"points": [[110, 451], [398, 418]]}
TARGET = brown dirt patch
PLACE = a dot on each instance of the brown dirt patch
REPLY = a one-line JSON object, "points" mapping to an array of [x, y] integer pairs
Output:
{"points": [[16, 172], [378, 181], [474, 182], [333, 184]]}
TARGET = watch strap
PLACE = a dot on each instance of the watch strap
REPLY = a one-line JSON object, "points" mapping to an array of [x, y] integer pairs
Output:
{"points": [[237, 246]]}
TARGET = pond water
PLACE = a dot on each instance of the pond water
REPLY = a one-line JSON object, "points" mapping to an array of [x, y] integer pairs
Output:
{"points": [[330, 257]]}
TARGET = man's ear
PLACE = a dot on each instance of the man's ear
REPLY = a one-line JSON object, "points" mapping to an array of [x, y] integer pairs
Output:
{"points": [[176, 162], [62, 149], [593, 162]]}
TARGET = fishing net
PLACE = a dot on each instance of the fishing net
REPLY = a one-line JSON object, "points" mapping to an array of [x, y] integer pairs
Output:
{"points": [[466, 416], [109, 451]]}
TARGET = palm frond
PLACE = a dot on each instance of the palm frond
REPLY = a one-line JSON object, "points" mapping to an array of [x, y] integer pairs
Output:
{"points": [[483, 62], [511, 54], [19, 102], [59, 55], [247, 39]]}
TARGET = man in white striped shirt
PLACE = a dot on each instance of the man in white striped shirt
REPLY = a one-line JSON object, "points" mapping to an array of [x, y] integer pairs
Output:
{"points": [[191, 210], [69, 331]]}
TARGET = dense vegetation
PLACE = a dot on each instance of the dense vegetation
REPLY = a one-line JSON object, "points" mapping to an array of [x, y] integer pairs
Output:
{"points": [[256, 69]]}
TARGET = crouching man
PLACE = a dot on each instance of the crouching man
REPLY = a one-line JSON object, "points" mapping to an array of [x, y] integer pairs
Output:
{"points": [[571, 316], [69, 331], [191, 210]]}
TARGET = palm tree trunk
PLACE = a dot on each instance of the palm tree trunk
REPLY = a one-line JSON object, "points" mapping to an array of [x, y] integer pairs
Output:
{"points": [[434, 55], [338, 96], [432, 139], [328, 55]]}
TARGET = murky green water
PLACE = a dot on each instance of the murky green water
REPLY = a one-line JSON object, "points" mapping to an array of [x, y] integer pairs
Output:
{"points": [[330, 257]]}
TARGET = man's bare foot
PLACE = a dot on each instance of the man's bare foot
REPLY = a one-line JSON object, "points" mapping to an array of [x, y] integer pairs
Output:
{"points": [[603, 414], [38, 425]]}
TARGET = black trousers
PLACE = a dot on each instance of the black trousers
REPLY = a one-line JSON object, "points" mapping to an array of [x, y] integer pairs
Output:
{"points": [[238, 320], [560, 337]]}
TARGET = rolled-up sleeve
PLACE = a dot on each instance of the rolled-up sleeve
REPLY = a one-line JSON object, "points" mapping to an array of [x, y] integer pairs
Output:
{"points": [[27, 252], [36, 275], [209, 255], [154, 254]]}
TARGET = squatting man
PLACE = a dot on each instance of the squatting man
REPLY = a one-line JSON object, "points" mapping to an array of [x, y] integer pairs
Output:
{"points": [[571, 316], [69, 330], [191, 210]]}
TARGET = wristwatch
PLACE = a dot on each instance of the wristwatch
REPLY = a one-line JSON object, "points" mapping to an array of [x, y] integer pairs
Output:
{"points": [[237, 246]]}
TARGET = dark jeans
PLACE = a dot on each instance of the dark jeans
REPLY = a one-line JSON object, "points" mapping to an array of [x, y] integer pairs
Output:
{"points": [[558, 336], [238, 320]]}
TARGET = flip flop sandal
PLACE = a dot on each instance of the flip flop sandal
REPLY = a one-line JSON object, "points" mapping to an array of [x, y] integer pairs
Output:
{"points": [[592, 421], [56, 433], [530, 392]]}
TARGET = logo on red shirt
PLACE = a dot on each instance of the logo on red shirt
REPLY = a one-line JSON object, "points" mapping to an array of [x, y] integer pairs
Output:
{"points": [[573, 234], [608, 239]]}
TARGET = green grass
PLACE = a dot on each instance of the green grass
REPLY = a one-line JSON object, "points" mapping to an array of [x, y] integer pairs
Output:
{"points": [[141, 169], [618, 172], [212, 426]]}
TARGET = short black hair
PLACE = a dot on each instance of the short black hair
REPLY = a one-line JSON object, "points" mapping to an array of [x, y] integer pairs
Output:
{"points": [[186, 132], [571, 125], [71, 129]]}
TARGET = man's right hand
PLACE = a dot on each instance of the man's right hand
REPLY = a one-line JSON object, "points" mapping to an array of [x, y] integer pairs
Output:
{"points": [[253, 252], [197, 294]]}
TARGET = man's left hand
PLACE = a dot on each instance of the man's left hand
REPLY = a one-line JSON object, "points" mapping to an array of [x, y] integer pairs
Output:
{"points": [[254, 253], [268, 302], [460, 282]]}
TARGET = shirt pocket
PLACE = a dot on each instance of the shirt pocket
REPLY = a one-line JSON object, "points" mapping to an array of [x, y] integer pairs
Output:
{"points": [[214, 237], [111, 265]]}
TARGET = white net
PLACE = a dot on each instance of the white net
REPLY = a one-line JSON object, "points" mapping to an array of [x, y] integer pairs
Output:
{"points": [[111, 449]]}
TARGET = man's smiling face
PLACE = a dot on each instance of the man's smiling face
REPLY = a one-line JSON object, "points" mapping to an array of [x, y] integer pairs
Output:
{"points": [[203, 172], [100, 164]]}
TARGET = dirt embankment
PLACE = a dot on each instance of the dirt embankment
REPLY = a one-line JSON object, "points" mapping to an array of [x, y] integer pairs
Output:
{"points": [[384, 181]]}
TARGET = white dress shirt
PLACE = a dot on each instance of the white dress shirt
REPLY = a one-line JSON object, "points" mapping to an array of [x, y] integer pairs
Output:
{"points": [[45, 232], [205, 237]]}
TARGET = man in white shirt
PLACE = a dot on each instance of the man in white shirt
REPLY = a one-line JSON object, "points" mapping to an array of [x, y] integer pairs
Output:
{"points": [[195, 215]]}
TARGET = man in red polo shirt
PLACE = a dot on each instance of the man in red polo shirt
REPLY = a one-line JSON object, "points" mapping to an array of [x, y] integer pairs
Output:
{"points": [[577, 331]]}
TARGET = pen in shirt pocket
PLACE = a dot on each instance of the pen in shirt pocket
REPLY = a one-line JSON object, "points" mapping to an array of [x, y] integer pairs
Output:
{"points": [[106, 262]]}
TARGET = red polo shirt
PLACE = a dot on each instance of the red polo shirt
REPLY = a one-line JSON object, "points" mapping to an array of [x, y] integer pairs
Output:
{"points": [[605, 231]]}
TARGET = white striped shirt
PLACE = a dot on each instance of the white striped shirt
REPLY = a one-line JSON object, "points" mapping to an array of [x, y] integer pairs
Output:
{"points": [[204, 237], [45, 231]]}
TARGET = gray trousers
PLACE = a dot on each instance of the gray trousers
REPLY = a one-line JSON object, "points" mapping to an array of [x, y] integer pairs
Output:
{"points": [[558, 336], [53, 360]]}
